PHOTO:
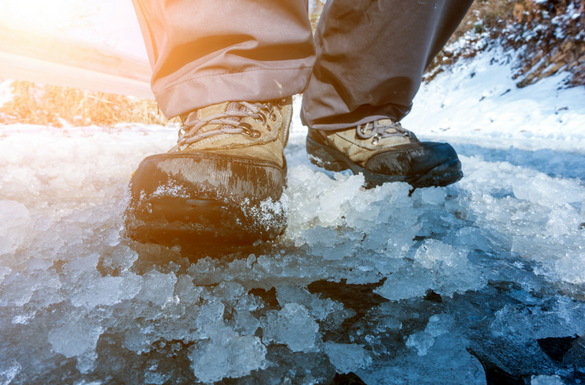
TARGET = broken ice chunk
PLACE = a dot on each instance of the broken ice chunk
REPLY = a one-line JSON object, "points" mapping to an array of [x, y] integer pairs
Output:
{"points": [[435, 254], [317, 307], [327, 243], [229, 291], [227, 355], [445, 362], [292, 326], [408, 282], [107, 290], [77, 339], [158, 288], [452, 272], [563, 220], [422, 341], [433, 195], [246, 323], [123, 258], [18, 290], [347, 357], [186, 291], [74, 338], [449, 271]]}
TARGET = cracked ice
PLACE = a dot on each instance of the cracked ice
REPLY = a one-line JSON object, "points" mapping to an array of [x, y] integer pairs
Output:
{"points": [[450, 285]]}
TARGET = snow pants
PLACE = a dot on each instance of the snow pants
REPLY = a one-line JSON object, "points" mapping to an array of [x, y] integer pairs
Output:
{"points": [[364, 63]]}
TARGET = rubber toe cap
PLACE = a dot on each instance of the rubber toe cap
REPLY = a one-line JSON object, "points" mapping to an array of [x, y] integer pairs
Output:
{"points": [[411, 159], [207, 176]]}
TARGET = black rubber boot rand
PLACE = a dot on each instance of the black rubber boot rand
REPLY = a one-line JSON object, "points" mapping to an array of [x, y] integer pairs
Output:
{"points": [[202, 198], [420, 164]]}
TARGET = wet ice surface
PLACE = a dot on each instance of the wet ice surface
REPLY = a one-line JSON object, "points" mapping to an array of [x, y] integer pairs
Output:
{"points": [[481, 281]]}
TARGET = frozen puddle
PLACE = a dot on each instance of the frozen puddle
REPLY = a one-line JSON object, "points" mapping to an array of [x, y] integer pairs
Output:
{"points": [[480, 282], [482, 279]]}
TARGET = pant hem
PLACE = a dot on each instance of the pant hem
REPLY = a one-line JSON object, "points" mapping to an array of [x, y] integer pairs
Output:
{"points": [[250, 85]]}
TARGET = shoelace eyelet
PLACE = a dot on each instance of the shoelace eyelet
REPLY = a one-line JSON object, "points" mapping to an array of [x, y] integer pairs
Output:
{"points": [[249, 131]]}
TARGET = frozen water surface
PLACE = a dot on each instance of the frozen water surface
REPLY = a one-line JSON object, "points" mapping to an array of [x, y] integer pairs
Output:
{"points": [[479, 282]]}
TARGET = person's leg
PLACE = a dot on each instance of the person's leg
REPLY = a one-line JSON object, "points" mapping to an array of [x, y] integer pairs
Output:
{"points": [[229, 69], [205, 52], [370, 60], [371, 56]]}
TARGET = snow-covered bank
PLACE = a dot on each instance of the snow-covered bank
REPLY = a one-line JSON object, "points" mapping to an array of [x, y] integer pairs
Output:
{"points": [[479, 99], [481, 281]]}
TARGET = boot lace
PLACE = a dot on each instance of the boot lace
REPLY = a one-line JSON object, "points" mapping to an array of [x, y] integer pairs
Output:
{"points": [[230, 121], [377, 131]]}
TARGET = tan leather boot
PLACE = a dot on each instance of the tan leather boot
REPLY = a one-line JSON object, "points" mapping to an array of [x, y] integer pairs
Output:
{"points": [[385, 152], [221, 183]]}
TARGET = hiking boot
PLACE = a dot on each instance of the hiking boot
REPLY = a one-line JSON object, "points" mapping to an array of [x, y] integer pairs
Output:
{"points": [[221, 183], [385, 152]]}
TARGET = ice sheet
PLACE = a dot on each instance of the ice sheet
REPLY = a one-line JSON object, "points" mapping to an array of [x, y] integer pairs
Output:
{"points": [[460, 284]]}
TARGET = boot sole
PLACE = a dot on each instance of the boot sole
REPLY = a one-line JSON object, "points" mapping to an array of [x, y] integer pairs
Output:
{"points": [[193, 222], [333, 160]]}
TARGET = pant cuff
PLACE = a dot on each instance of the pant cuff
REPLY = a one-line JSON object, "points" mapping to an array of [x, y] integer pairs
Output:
{"points": [[252, 85]]}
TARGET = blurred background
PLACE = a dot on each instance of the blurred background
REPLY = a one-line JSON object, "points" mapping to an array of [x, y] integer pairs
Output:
{"points": [[109, 23], [73, 62]]}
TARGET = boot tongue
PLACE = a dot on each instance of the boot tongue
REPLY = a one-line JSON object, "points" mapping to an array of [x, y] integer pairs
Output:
{"points": [[214, 109], [388, 123], [221, 108], [205, 112]]}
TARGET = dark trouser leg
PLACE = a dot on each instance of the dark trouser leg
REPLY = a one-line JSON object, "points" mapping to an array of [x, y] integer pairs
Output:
{"points": [[371, 56], [205, 52]]}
